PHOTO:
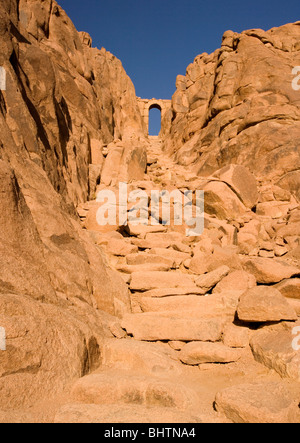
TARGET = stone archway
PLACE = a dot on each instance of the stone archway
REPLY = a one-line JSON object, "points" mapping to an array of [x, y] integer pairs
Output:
{"points": [[146, 105], [151, 116]]}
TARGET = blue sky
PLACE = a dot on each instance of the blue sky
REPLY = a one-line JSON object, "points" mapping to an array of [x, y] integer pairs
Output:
{"points": [[157, 39]]}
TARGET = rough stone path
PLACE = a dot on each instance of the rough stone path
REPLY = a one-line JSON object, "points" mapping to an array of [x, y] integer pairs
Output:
{"points": [[180, 354]]}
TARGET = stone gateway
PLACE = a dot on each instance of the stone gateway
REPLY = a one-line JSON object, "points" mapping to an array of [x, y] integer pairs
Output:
{"points": [[146, 105]]}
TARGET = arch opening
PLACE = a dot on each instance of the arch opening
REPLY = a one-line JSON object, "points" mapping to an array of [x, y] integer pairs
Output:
{"points": [[155, 115]]}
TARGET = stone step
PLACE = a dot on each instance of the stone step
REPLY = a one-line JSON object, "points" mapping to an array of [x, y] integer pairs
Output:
{"points": [[172, 292], [117, 413], [210, 280], [140, 357], [162, 243], [146, 281], [178, 257], [120, 248], [172, 237], [197, 353], [147, 244], [119, 387], [144, 258], [141, 231], [212, 306], [151, 267], [167, 327]]}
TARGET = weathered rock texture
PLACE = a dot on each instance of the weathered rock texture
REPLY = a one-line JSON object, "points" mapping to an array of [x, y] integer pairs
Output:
{"points": [[144, 322], [64, 101], [237, 106]]}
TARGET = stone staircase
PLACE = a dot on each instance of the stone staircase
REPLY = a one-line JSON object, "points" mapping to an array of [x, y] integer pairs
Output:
{"points": [[180, 345]]}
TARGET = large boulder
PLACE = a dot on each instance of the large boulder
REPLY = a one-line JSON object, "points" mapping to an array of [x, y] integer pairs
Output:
{"points": [[258, 403], [264, 304], [242, 182], [47, 347], [236, 281], [275, 350], [267, 270], [126, 162], [221, 201]]}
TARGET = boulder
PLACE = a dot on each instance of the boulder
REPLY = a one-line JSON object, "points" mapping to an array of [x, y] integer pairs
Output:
{"points": [[242, 182], [120, 248], [126, 161], [267, 270], [203, 263], [274, 349], [273, 210], [290, 288], [43, 339], [264, 304], [208, 281], [236, 281], [222, 202], [257, 403]]}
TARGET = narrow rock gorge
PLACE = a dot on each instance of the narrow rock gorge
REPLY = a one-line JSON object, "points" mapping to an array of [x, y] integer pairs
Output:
{"points": [[144, 324]]}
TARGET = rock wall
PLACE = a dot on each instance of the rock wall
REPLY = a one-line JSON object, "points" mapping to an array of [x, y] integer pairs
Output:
{"points": [[237, 105], [63, 103], [63, 97]]}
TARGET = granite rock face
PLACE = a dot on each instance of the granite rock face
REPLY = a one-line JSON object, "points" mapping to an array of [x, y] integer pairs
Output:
{"points": [[237, 106], [64, 101]]}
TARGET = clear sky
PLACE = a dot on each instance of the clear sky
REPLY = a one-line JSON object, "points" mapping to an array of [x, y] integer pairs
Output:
{"points": [[157, 39]]}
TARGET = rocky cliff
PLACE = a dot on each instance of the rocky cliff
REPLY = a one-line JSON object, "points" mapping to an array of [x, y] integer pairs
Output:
{"points": [[64, 102], [237, 105]]}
